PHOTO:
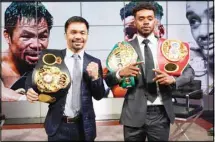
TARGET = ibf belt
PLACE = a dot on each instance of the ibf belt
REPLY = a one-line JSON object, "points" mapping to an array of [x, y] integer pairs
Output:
{"points": [[173, 56], [50, 76], [122, 55]]}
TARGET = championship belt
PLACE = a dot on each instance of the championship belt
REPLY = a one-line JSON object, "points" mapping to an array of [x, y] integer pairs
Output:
{"points": [[50, 76], [173, 56], [122, 55]]}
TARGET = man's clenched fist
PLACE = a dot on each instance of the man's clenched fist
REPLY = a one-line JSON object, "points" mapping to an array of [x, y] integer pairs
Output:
{"points": [[93, 70]]}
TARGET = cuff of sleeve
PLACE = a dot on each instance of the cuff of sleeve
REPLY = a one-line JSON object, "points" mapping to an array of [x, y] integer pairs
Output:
{"points": [[95, 79], [174, 79], [118, 76], [173, 85], [22, 98]]}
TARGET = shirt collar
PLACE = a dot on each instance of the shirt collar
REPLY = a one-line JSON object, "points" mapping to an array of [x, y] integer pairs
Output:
{"points": [[152, 39], [69, 53]]}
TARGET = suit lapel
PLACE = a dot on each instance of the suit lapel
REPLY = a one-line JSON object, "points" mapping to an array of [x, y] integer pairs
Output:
{"points": [[63, 52], [85, 62], [85, 76], [136, 46]]}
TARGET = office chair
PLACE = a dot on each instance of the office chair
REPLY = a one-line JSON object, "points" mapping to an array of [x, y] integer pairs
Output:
{"points": [[186, 111]]}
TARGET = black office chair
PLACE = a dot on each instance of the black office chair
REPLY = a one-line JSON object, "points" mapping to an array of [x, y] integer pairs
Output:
{"points": [[185, 110], [2, 117]]}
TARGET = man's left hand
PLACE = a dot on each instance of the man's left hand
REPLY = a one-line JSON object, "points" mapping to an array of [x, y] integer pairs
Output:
{"points": [[93, 70], [163, 78]]}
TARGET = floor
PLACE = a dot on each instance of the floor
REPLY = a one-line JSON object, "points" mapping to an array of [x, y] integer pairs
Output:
{"points": [[109, 130], [104, 133]]}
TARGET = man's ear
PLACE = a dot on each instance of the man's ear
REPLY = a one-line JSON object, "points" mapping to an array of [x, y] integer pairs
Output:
{"points": [[135, 24], [7, 37]]}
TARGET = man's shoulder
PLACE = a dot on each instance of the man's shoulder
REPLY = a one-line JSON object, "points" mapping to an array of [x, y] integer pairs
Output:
{"points": [[5, 56], [8, 68], [133, 41]]}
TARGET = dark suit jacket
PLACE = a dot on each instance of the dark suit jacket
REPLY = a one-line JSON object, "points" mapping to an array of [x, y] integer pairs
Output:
{"points": [[89, 89], [135, 103]]}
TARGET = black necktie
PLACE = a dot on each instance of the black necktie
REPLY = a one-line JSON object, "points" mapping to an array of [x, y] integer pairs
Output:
{"points": [[151, 87]]}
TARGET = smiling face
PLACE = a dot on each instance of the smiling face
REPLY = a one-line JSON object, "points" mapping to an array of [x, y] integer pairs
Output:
{"points": [[28, 39], [201, 18], [76, 36]]}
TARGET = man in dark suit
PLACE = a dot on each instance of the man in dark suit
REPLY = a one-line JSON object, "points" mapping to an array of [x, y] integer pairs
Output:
{"points": [[147, 110], [72, 116]]}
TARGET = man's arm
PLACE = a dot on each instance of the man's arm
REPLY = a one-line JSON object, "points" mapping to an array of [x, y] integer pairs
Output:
{"points": [[113, 78], [9, 94], [8, 77], [97, 85], [186, 77], [174, 82]]}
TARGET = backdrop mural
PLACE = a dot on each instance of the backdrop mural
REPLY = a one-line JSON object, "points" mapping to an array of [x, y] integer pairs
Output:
{"points": [[29, 27]]}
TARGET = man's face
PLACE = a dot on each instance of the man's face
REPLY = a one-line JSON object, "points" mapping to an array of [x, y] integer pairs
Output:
{"points": [[28, 39], [145, 22], [76, 36], [199, 16]]}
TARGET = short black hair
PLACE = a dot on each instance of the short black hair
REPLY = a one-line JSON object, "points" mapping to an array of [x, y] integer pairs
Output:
{"points": [[76, 19], [144, 5], [30, 10]]}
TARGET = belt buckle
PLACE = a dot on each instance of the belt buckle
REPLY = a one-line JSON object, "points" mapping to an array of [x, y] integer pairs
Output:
{"points": [[68, 120], [72, 120], [152, 109]]}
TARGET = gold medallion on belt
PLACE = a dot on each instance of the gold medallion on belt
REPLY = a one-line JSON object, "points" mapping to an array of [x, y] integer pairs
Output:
{"points": [[49, 78]]}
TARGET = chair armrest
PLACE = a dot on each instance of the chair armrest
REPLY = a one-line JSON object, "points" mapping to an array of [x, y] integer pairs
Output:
{"points": [[2, 117], [197, 94]]}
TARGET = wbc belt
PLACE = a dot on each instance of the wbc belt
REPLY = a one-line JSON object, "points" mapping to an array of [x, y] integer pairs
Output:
{"points": [[122, 55], [51, 76], [173, 56]]}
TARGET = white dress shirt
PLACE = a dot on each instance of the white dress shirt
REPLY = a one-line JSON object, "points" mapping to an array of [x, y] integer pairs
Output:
{"points": [[153, 45], [69, 61]]}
